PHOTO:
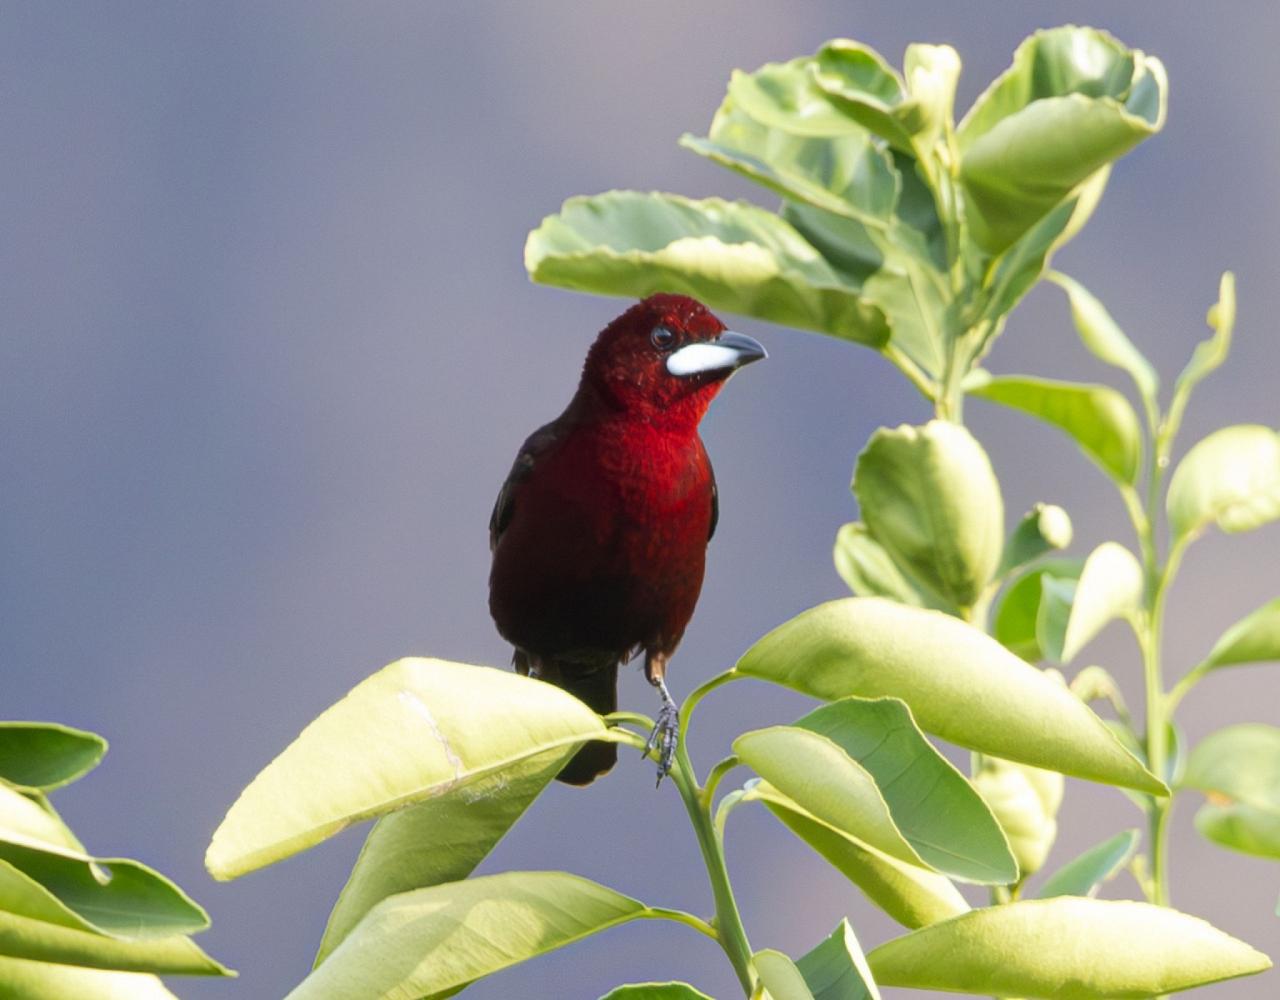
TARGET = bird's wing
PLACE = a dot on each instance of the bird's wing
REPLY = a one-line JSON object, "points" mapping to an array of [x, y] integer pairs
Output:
{"points": [[715, 496], [537, 444]]}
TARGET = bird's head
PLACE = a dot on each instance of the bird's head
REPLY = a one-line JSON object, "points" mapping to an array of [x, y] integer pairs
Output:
{"points": [[665, 359]]}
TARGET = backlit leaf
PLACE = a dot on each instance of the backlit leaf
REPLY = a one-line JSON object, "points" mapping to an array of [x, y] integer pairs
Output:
{"points": [[21, 979], [1231, 479], [837, 970], [1111, 586]]}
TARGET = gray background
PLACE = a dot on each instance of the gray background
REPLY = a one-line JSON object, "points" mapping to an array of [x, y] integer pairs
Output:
{"points": [[268, 348]]}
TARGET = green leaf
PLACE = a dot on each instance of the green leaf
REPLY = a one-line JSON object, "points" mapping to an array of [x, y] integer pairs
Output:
{"points": [[1111, 586], [730, 255], [1031, 619], [1065, 948], [1255, 638], [1043, 529], [1231, 479], [440, 840], [1025, 801], [864, 768], [1209, 354], [21, 979], [1238, 768], [1020, 267], [1073, 101], [840, 171], [959, 684], [837, 970], [870, 571], [1082, 875], [1099, 419], [42, 941], [1104, 338], [857, 80], [929, 497], [431, 942], [108, 895], [415, 730], [46, 755], [932, 72], [911, 895], [780, 977], [655, 991], [27, 820]]}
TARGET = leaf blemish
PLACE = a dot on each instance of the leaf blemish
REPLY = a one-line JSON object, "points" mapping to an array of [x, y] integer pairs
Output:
{"points": [[419, 708]]}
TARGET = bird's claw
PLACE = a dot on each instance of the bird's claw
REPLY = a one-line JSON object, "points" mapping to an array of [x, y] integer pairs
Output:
{"points": [[665, 737]]}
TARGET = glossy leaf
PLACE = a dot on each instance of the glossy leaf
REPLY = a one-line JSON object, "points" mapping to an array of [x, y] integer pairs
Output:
{"points": [[870, 571], [417, 729], [1231, 479], [780, 977], [21, 979], [1074, 100], [1043, 529], [864, 768], [1111, 586], [46, 755], [440, 840], [1065, 948], [856, 79], [911, 895], [730, 255], [930, 498], [1096, 417], [959, 684], [1025, 801], [1255, 638], [1104, 338], [42, 941], [407, 945], [655, 991], [1083, 875], [25, 820], [837, 970]]}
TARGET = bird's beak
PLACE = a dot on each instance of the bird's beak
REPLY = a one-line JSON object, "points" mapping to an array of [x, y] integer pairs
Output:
{"points": [[727, 353]]}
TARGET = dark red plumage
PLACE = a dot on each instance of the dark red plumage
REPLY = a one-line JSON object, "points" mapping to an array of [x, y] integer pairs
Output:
{"points": [[599, 533]]}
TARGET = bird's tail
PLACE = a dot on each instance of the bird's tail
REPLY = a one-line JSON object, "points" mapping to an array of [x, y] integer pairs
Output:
{"points": [[597, 687]]}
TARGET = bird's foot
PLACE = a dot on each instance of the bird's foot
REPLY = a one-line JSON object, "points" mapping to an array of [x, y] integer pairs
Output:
{"points": [[665, 737]]}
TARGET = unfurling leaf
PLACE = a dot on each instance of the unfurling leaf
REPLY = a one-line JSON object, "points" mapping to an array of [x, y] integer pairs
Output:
{"points": [[1043, 529]]}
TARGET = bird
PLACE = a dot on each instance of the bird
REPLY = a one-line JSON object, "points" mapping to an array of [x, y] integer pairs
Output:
{"points": [[599, 533]]}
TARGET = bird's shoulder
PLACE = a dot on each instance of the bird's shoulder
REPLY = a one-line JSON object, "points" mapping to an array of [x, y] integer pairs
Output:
{"points": [[535, 446]]}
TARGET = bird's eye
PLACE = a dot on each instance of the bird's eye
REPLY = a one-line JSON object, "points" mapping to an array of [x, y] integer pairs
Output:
{"points": [[662, 338]]}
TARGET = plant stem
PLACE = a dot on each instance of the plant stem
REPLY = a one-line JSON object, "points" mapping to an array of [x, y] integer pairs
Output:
{"points": [[728, 922]]}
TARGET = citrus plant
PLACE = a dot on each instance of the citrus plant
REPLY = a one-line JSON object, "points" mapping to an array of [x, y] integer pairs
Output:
{"points": [[905, 232]]}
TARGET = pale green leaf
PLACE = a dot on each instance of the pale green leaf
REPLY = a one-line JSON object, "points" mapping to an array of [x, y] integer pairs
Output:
{"points": [[1031, 618], [911, 895], [1099, 419], [864, 768], [857, 80], [930, 498], [43, 941], [1238, 768], [432, 942], [960, 684], [1231, 479], [46, 755], [415, 730], [21, 979], [780, 977], [1111, 586], [440, 840], [26, 820], [1066, 948], [1083, 875], [1043, 529], [1104, 338], [729, 255], [1209, 354], [655, 991], [1025, 801], [931, 73], [782, 96], [870, 571], [1241, 827], [1074, 100], [1021, 265], [837, 970], [1255, 638]]}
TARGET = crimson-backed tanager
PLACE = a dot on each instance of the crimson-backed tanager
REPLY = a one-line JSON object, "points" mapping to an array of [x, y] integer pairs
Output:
{"points": [[600, 531]]}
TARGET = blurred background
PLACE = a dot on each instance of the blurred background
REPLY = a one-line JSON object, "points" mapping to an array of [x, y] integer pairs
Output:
{"points": [[267, 349]]}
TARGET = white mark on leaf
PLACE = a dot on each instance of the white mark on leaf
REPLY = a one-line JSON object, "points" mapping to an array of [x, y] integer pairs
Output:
{"points": [[419, 708]]}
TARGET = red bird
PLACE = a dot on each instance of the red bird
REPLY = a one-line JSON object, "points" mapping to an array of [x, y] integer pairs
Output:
{"points": [[599, 534]]}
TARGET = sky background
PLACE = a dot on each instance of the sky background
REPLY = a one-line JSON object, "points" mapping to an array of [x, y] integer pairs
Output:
{"points": [[268, 349]]}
